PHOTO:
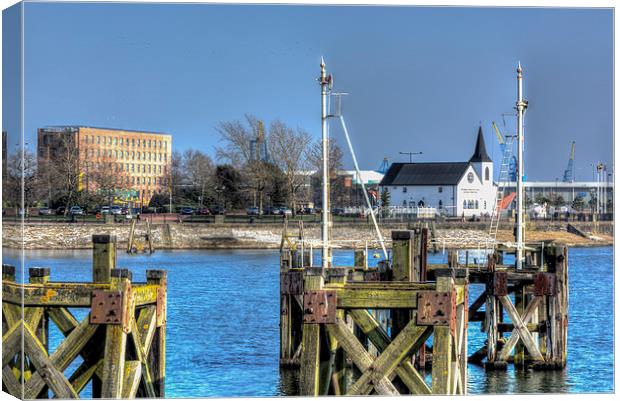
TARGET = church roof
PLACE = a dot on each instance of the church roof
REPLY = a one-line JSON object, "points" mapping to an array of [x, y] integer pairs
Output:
{"points": [[480, 153], [439, 173]]}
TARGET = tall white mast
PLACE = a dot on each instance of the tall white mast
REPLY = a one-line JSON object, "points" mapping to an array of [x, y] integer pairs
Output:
{"points": [[521, 107], [325, 83]]}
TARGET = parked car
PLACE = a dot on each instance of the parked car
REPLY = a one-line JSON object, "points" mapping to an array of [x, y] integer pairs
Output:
{"points": [[338, 211], [203, 211], [309, 210], [105, 210], [286, 211], [45, 211], [276, 210], [116, 210], [124, 210], [253, 211], [187, 211], [76, 211], [61, 210], [218, 210]]}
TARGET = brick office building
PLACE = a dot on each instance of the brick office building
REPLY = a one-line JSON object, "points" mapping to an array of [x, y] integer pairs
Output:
{"points": [[136, 164]]}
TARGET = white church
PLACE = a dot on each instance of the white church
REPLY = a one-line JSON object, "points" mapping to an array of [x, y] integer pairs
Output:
{"points": [[453, 188]]}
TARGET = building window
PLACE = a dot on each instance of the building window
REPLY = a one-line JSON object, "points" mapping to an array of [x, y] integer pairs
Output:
{"points": [[440, 189], [440, 203], [404, 190], [115, 140], [98, 139], [133, 142], [165, 145], [149, 143], [464, 204], [121, 141], [144, 143], [486, 174], [116, 153], [160, 144], [138, 155], [476, 205], [485, 205]]}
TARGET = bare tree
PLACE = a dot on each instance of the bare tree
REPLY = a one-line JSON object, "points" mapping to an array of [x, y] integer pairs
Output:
{"points": [[289, 150], [198, 168], [237, 140], [315, 158], [21, 180], [241, 148]]}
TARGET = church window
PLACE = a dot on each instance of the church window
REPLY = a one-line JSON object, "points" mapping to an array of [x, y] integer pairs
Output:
{"points": [[440, 189], [486, 174], [404, 190], [476, 205]]}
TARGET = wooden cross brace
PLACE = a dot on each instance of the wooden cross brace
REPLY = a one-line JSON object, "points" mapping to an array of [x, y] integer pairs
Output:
{"points": [[520, 332], [377, 373]]}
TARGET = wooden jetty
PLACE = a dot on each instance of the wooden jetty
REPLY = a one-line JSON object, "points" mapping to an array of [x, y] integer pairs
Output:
{"points": [[121, 340], [358, 330], [141, 243], [379, 319], [537, 320]]}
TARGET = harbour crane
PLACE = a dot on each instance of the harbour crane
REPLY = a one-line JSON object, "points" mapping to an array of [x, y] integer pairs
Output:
{"points": [[569, 173], [383, 168], [512, 164]]}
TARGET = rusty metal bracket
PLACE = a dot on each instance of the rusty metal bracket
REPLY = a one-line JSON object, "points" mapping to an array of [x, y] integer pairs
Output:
{"points": [[112, 307], [544, 284], [320, 306], [437, 308], [499, 283], [292, 283]]}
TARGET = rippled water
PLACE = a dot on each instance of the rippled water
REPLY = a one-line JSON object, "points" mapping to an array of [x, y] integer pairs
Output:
{"points": [[223, 321]]}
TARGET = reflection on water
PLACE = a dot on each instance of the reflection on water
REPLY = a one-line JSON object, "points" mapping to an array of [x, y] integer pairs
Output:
{"points": [[223, 322]]}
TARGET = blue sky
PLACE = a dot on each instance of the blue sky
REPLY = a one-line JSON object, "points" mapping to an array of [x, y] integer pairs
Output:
{"points": [[420, 79]]}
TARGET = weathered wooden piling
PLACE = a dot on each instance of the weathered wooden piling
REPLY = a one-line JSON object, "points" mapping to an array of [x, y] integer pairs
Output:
{"points": [[537, 320], [121, 339]]}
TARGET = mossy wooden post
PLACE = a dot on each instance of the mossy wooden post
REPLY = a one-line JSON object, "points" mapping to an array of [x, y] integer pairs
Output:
{"points": [[116, 338], [520, 301], [288, 259], [402, 270], [157, 356], [462, 318], [104, 260], [491, 320], [309, 379], [442, 373], [360, 258], [557, 314], [337, 357], [104, 257], [40, 275]]}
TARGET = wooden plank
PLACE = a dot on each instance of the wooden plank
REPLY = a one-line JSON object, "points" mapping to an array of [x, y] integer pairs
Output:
{"points": [[63, 319], [407, 373], [115, 345], [146, 326], [442, 350], [62, 357], [520, 327], [349, 298], [360, 357], [310, 355], [11, 343], [409, 340], [157, 352], [67, 294], [11, 383], [142, 358], [131, 379], [54, 378], [83, 374]]}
